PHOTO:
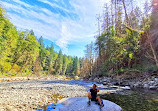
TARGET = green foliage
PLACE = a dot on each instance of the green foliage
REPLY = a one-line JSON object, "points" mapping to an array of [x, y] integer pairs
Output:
{"points": [[69, 70], [59, 63], [15, 68], [152, 69], [4, 66], [146, 23], [119, 51], [126, 43], [65, 63], [42, 52], [8, 41], [76, 66], [20, 52]]}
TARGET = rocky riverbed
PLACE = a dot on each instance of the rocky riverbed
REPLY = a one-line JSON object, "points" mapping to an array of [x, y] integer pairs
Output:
{"points": [[150, 83], [27, 95]]}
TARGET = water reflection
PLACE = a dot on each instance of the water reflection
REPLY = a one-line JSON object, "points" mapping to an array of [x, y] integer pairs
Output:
{"points": [[52, 107]]}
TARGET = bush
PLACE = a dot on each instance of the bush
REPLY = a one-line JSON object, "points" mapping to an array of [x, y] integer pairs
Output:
{"points": [[15, 68], [4, 67], [152, 69]]}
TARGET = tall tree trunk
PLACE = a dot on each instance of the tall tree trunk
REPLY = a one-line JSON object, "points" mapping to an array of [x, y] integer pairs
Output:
{"points": [[127, 19], [115, 13], [153, 51], [112, 16], [154, 30], [154, 54]]}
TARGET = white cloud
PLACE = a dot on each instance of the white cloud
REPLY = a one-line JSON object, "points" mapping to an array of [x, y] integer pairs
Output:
{"points": [[62, 30], [55, 5], [23, 3], [65, 38], [39, 28]]}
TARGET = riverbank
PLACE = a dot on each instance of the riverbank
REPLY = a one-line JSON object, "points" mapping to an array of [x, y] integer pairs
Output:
{"points": [[149, 82], [34, 77], [27, 95]]}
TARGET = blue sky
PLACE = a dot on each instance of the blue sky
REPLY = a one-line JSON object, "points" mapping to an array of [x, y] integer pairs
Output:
{"points": [[69, 24]]}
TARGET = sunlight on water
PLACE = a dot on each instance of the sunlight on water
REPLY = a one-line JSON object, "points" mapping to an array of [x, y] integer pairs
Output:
{"points": [[51, 107]]}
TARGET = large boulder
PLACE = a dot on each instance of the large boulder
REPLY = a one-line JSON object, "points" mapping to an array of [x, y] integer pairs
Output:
{"points": [[80, 104]]}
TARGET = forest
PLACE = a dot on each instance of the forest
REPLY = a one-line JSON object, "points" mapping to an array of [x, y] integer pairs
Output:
{"points": [[127, 40], [21, 52], [126, 44]]}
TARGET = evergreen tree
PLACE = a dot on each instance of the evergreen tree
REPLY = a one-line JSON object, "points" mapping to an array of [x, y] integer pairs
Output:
{"points": [[42, 52], [65, 64], [59, 63], [76, 65]]}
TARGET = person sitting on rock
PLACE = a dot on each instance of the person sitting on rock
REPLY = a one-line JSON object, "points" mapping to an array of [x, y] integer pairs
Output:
{"points": [[92, 95]]}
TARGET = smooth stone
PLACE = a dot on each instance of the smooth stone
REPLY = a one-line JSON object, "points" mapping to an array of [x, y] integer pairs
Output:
{"points": [[115, 83], [146, 85], [105, 83], [114, 86], [106, 79], [138, 84], [96, 79], [153, 87], [152, 82], [156, 79], [76, 77], [126, 87], [80, 104]]}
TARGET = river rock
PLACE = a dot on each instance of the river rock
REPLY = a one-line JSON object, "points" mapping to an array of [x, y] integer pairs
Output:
{"points": [[114, 86], [153, 87], [80, 104], [90, 79], [115, 83], [126, 87], [146, 85], [105, 83], [156, 79], [76, 78], [96, 80], [105, 79], [152, 82], [137, 84]]}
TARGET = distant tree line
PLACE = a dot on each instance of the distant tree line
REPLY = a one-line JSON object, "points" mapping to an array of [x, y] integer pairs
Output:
{"points": [[22, 52]]}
